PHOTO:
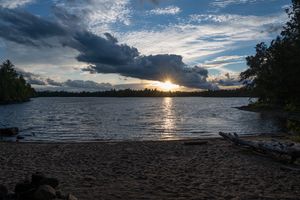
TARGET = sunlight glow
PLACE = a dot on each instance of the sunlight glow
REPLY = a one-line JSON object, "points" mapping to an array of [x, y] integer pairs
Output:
{"points": [[167, 86]]}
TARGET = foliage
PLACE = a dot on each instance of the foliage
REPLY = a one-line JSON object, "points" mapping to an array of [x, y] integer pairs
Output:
{"points": [[149, 93], [294, 126], [274, 70], [13, 87]]}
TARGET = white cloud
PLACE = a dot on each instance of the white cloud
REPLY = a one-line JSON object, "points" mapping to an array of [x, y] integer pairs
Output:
{"points": [[222, 61], [225, 3], [14, 3], [98, 15], [170, 10], [195, 40], [245, 20]]}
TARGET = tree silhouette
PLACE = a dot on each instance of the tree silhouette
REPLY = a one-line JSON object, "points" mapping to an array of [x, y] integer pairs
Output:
{"points": [[274, 71], [13, 87]]}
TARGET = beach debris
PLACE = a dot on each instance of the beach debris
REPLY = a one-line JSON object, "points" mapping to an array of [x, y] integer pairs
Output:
{"points": [[195, 142], [71, 197], [39, 188], [273, 147], [19, 137], [3, 192], [7, 132], [45, 192]]}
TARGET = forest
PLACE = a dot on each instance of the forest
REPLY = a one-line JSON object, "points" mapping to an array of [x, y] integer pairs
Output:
{"points": [[274, 71], [13, 87], [243, 92]]}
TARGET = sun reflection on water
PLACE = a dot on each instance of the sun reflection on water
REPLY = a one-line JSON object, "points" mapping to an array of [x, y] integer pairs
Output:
{"points": [[168, 118]]}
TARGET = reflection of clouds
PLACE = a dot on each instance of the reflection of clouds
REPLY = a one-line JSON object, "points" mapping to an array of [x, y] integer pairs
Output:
{"points": [[168, 118]]}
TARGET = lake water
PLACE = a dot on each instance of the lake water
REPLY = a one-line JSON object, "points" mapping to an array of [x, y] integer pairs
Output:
{"points": [[93, 119]]}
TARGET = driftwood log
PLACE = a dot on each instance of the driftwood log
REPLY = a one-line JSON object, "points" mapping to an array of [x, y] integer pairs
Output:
{"points": [[291, 150]]}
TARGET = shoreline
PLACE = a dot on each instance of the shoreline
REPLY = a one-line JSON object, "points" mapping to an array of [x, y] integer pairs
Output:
{"points": [[151, 170], [216, 137]]}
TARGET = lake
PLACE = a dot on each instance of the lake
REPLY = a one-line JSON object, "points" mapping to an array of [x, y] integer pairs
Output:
{"points": [[76, 119]]}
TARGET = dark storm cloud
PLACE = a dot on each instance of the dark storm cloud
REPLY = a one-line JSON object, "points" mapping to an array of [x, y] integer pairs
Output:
{"points": [[69, 85], [31, 78], [96, 49], [103, 53], [25, 28], [90, 85], [227, 80], [53, 83], [160, 68]]}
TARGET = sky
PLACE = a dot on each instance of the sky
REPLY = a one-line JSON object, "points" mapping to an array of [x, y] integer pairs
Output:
{"points": [[92, 45]]}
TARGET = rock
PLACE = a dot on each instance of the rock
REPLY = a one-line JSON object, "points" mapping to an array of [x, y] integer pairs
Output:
{"points": [[3, 192], [71, 197], [24, 190], [9, 131], [19, 137], [23, 187], [60, 195], [45, 192], [36, 178], [53, 182]]}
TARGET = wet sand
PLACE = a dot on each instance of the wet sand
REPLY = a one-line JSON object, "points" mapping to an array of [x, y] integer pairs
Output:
{"points": [[151, 170]]}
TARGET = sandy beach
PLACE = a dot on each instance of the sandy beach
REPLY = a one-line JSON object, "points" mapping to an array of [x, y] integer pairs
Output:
{"points": [[151, 170]]}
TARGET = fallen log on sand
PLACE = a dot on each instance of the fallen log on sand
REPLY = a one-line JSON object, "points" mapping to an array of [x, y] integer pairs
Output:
{"points": [[272, 147]]}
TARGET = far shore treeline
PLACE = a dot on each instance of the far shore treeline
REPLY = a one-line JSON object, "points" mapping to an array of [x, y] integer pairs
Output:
{"points": [[242, 92]]}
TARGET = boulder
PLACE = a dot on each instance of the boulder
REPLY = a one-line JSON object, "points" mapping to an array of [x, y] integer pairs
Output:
{"points": [[71, 197], [45, 192], [53, 182], [23, 187], [19, 137], [60, 195], [36, 178], [24, 190], [9, 131], [3, 192]]}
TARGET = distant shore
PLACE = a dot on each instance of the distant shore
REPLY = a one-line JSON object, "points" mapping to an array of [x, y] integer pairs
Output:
{"points": [[151, 170]]}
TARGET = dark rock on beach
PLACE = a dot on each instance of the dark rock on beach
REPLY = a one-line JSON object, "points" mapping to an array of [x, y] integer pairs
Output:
{"points": [[39, 188], [3, 192], [19, 137], [9, 131], [45, 192]]}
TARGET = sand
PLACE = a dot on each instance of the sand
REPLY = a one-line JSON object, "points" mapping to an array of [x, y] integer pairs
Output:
{"points": [[151, 170]]}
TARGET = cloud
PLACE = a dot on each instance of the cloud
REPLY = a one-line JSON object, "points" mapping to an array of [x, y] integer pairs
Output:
{"points": [[170, 10], [31, 78], [53, 82], [159, 68], [226, 80], [69, 85], [206, 35], [42, 83], [14, 3], [240, 20], [87, 85], [222, 61], [25, 28], [96, 49], [98, 15], [103, 53], [225, 3]]}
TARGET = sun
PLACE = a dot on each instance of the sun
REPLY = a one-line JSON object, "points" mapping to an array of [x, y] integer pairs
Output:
{"points": [[167, 86]]}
